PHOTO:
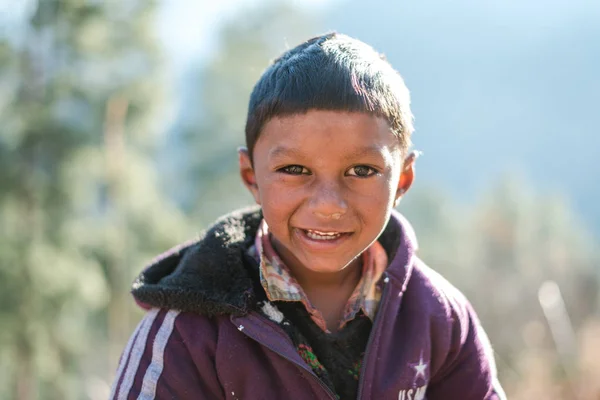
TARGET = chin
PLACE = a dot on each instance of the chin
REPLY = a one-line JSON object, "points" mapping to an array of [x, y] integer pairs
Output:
{"points": [[327, 270], [325, 266]]}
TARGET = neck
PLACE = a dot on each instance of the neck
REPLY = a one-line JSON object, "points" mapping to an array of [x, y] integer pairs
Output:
{"points": [[327, 291], [312, 281]]}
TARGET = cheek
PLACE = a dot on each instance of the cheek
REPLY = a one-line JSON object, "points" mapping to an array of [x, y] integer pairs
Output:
{"points": [[281, 197], [374, 194], [375, 204], [278, 205]]}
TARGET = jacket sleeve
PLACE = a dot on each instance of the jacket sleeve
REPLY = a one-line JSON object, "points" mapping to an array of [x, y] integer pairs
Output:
{"points": [[469, 371], [169, 356]]}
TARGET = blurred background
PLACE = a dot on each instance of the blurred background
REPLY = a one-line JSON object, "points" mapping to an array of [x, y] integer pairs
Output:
{"points": [[119, 123]]}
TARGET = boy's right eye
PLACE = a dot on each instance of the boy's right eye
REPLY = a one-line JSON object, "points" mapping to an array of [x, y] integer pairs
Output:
{"points": [[294, 170]]}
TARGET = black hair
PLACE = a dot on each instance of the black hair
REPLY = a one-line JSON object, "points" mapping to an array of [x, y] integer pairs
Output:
{"points": [[330, 72]]}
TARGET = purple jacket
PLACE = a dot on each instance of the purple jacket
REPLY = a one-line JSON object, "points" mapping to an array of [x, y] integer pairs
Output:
{"points": [[202, 339]]}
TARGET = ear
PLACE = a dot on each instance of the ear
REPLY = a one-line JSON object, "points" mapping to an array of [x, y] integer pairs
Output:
{"points": [[407, 175], [247, 173]]}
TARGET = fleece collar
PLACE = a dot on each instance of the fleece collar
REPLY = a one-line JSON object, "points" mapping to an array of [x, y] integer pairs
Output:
{"points": [[210, 275]]}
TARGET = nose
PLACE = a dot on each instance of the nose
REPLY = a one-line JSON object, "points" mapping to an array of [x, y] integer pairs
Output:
{"points": [[327, 201]]}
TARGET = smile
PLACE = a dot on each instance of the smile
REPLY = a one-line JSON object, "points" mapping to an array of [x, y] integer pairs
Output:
{"points": [[318, 235], [322, 240]]}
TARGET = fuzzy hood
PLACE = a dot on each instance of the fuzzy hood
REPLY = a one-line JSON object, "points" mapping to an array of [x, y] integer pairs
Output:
{"points": [[210, 275]]}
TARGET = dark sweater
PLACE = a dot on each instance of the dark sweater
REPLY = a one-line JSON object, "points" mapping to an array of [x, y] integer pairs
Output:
{"points": [[335, 358]]}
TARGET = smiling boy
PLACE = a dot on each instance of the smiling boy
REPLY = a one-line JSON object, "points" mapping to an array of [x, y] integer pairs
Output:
{"points": [[318, 293]]}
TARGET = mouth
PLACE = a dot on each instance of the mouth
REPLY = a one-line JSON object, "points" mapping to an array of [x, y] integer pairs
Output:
{"points": [[322, 240], [323, 235]]}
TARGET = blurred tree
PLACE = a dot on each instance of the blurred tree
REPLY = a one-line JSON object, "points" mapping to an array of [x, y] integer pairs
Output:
{"points": [[523, 240], [79, 100], [211, 137], [500, 252]]}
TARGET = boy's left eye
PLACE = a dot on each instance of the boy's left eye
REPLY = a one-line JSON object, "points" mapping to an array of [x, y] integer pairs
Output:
{"points": [[362, 171]]}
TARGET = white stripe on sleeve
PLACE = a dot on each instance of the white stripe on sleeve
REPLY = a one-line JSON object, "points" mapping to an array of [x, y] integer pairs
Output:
{"points": [[158, 351], [136, 354], [124, 359]]}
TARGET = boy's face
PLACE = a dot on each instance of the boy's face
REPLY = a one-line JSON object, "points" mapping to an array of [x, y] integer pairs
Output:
{"points": [[327, 182]]}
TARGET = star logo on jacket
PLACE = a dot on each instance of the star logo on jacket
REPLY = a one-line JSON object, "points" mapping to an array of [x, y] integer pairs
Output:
{"points": [[420, 368], [416, 392]]}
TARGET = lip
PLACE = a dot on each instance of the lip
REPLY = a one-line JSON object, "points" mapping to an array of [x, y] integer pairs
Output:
{"points": [[321, 245]]}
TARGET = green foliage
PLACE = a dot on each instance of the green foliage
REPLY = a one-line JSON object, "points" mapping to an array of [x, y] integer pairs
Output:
{"points": [[79, 204]]}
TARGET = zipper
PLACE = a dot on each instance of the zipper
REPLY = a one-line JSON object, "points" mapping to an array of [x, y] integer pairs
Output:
{"points": [[303, 366], [363, 368]]}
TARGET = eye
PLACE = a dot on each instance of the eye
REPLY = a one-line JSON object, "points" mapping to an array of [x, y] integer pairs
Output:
{"points": [[362, 171], [294, 170]]}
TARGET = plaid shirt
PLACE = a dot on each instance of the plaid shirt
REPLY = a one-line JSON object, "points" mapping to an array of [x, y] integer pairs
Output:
{"points": [[280, 285]]}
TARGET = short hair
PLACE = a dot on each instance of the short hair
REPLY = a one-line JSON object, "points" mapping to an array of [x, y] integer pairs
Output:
{"points": [[330, 72]]}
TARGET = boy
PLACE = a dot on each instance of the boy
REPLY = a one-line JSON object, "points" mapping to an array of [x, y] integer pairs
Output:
{"points": [[317, 294]]}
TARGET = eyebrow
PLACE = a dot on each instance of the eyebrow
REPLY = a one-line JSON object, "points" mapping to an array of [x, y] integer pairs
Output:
{"points": [[373, 151], [283, 151]]}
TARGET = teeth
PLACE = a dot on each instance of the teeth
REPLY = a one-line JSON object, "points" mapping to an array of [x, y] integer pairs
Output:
{"points": [[316, 235], [325, 233]]}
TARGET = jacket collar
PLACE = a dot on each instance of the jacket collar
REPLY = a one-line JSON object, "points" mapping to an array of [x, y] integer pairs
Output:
{"points": [[209, 275]]}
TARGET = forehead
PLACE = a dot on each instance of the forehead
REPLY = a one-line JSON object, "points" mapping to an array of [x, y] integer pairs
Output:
{"points": [[326, 133]]}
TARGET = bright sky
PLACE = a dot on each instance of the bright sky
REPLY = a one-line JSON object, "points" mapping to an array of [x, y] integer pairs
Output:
{"points": [[188, 27]]}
